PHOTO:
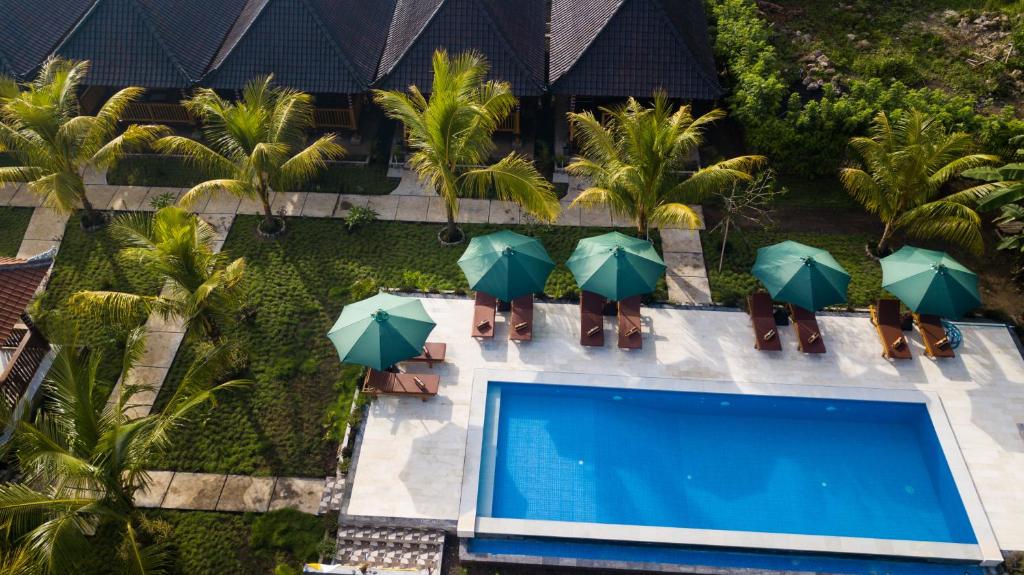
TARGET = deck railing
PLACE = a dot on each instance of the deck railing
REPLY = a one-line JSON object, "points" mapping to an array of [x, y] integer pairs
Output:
{"points": [[339, 118], [27, 349], [157, 113]]}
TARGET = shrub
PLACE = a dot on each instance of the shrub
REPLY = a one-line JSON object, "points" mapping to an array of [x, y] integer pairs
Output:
{"points": [[288, 530], [358, 217]]}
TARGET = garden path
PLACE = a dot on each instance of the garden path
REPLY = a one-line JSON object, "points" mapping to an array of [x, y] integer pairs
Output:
{"points": [[238, 493]]}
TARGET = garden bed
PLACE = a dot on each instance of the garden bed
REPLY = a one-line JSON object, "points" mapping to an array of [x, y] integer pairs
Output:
{"points": [[13, 223], [289, 422]]}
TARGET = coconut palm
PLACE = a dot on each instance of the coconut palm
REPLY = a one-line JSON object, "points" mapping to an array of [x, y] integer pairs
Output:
{"points": [[451, 134], [257, 144], [634, 162], [902, 168], [53, 145], [1006, 182], [83, 459], [202, 287]]}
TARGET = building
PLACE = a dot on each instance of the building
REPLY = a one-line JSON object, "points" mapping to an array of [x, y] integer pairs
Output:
{"points": [[22, 348]]}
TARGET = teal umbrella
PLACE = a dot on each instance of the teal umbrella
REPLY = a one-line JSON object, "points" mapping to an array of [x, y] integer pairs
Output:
{"points": [[506, 265], [616, 266], [801, 275], [381, 331], [930, 282]]}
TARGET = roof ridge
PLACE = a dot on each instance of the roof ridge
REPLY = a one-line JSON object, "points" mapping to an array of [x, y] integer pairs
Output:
{"points": [[413, 42], [217, 60], [508, 46], [590, 41], [712, 82], [346, 58]]}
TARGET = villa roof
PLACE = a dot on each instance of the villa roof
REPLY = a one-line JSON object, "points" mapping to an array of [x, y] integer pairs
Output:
{"points": [[509, 34], [311, 45], [28, 33], [19, 280], [631, 48], [151, 43]]}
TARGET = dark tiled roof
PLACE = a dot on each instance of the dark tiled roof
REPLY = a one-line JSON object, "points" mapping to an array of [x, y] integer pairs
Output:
{"points": [[29, 31], [150, 43], [311, 45], [510, 34], [19, 280], [631, 48]]}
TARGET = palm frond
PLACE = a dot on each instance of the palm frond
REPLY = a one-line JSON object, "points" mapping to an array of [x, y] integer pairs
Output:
{"points": [[515, 179]]}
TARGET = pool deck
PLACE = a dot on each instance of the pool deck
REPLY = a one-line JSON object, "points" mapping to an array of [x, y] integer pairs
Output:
{"points": [[412, 453]]}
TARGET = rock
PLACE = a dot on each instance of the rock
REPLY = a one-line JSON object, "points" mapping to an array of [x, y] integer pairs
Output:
{"points": [[851, 37], [863, 44]]}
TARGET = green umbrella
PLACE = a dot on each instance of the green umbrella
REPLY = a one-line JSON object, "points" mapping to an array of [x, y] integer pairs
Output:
{"points": [[380, 331], [506, 265], [930, 282], [616, 266], [801, 275]]}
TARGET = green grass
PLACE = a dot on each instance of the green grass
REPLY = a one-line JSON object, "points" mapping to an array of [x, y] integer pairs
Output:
{"points": [[822, 193], [13, 223], [734, 282], [175, 172], [286, 424]]}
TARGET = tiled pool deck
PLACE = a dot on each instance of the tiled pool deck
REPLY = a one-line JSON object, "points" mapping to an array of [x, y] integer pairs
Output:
{"points": [[411, 458]]}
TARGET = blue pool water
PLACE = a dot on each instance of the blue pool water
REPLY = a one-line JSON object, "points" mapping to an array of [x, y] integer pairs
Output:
{"points": [[720, 461]]}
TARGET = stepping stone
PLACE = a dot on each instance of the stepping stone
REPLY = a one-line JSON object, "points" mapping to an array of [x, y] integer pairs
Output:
{"points": [[161, 347], [289, 202], [688, 290], [412, 208], [221, 224], [7, 191], [194, 491], [155, 323], [680, 240], [568, 216], [244, 493], [298, 493], [348, 201], [319, 205], [437, 211], [128, 198], [100, 195], [46, 224], [473, 211], [686, 264], [153, 494], [504, 213], [385, 206], [174, 194], [622, 221], [222, 203], [252, 207], [24, 198]]}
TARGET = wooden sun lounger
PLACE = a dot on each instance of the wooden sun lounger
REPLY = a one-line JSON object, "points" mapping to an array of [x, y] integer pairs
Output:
{"points": [[483, 315], [936, 344], [521, 325], [762, 317], [885, 314], [421, 385], [591, 319], [433, 352], [630, 336], [808, 334]]}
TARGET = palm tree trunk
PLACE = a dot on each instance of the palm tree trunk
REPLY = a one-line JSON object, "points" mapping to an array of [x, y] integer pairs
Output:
{"points": [[725, 240], [453, 230], [883, 243]]}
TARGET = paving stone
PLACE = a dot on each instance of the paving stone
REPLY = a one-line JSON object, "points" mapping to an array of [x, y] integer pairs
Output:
{"points": [[504, 213], [319, 205], [385, 206], [599, 217], [151, 377], [680, 240], [348, 201], [688, 290], [100, 195], [298, 493], [161, 347], [253, 207], [569, 216], [622, 221], [412, 208], [158, 192], [25, 198], [157, 324], [46, 224], [194, 491], [128, 198], [222, 203], [30, 248], [153, 494], [473, 211], [244, 493], [7, 191], [685, 264], [700, 213], [95, 176], [437, 210], [221, 224], [288, 202]]}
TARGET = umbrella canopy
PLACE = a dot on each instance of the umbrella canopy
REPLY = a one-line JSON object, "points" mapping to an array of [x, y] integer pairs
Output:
{"points": [[801, 275], [380, 331], [930, 282], [506, 265], [616, 266]]}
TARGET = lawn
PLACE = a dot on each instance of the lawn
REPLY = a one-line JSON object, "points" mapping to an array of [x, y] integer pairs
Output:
{"points": [[13, 223], [286, 424]]}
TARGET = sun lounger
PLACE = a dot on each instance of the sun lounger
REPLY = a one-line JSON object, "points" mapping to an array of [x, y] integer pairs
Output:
{"points": [[521, 324], [483, 315], [885, 314], [630, 336], [433, 352], [422, 385], [936, 343], [762, 317], [808, 334], [591, 319]]}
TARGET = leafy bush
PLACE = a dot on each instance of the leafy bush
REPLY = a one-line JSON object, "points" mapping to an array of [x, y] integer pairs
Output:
{"points": [[163, 200], [358, 217], [296, 533]]}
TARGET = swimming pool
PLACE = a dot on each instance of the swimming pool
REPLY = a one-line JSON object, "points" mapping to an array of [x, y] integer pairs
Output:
{"points": [[780, 472]]}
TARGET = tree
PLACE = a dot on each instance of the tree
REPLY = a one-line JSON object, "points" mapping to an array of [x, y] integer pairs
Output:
{"points": [[1006, 182], [750, 201], [53, 145], [450, 132], [202, 287], [902, 169], [257, 144], [84, 459], [635, 160]]}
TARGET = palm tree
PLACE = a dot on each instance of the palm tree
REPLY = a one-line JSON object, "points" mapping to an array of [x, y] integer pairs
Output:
{"points": [[202, 287], [450, 132], [902, 168], [634, 162], [53, 144], [257, 144], [84, 459], [1006, 182]]}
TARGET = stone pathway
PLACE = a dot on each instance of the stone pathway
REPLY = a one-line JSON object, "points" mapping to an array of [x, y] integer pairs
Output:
{"points": [[687, 277], [390, 547], [239, 493]]}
